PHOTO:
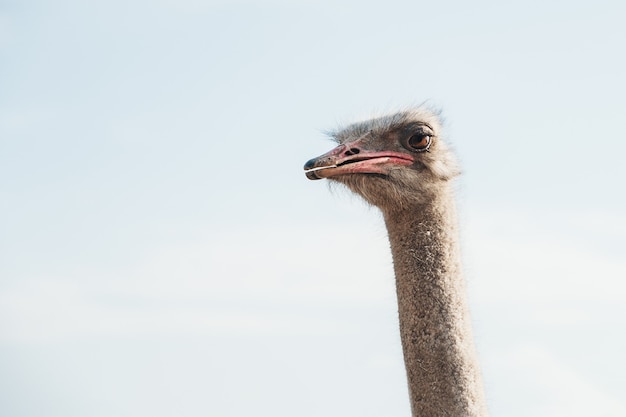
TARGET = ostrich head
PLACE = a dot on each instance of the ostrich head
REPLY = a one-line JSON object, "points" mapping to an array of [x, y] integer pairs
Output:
{"points": [[392, 161]]}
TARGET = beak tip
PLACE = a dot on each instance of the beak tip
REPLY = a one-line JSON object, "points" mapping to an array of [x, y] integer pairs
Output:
{"points": [[310, 164], [312, 175]]}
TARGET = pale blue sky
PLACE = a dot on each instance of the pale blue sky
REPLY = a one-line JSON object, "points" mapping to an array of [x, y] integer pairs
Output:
{"points": [[162, 253]]}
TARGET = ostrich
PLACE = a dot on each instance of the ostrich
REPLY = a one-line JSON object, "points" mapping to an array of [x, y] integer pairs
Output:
{"points": [[400, 164]]}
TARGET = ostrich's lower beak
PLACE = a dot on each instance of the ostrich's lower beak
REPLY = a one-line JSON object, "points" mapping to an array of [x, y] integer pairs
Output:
{"points": [[350, 159], [312, 173]]}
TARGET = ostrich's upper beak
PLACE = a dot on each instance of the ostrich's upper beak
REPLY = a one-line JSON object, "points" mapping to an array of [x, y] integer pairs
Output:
{"points": [[351, 158]]}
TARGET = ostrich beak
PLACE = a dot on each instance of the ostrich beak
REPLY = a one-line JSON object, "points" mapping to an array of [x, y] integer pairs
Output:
{"points": [[351, 158]]}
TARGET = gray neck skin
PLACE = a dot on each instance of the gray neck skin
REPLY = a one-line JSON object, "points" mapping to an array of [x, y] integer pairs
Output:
{"points": [[442, 372]]}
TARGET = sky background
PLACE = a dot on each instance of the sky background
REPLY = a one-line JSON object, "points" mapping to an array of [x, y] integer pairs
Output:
{"points": [[163, 254]]}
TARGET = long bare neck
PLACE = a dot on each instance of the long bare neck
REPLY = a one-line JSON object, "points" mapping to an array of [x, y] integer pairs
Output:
{"points": [[443, 376]]}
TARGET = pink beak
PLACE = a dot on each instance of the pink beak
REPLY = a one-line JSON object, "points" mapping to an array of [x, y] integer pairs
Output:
{"points": [[351, 158]]}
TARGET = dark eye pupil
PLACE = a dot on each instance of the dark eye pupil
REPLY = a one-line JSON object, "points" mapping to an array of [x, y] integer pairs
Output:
{"points": [[419, 141]]}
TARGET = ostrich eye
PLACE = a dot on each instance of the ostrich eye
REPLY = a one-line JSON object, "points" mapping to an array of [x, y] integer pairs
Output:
{"points": [[419, 142]]}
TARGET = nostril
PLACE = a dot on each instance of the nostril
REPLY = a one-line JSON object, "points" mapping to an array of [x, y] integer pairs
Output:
{"points": [[352, 151]]}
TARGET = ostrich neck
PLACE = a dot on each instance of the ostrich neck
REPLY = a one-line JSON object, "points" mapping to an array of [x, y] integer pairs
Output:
{"points": [[443, 376]]}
